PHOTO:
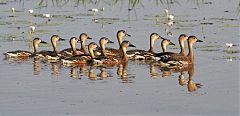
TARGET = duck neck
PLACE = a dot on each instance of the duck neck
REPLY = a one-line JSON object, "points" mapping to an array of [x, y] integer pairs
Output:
{"points": [[73, 47], [91, 53], [54, 45], [83, 48], [119, 39], [124, 54], [183, 51], [35, 48], [164, 47], [151, 50], [103, 49], [190, 54]]}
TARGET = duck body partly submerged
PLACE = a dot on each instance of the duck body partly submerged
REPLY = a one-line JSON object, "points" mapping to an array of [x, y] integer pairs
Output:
{"points": [[157, 56], [113, 51], [114, 60], [81, 59], [51, 55], [23, 54], [180, 60], [138, 54]]}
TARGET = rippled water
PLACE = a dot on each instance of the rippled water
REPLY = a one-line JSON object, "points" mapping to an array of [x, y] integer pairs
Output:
{"points": [[34, 87]]}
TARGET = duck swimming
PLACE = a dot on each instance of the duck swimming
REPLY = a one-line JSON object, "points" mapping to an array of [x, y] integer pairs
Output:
{"points": [[175, 59], [182, 38], [102, 42], [51, 55], [83, 58], [114, 60], [137, 53], [73, 50], [25, 54], [70, 51], [113, 51]]}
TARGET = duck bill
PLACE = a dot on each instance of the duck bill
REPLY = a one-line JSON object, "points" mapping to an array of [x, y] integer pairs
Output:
{"points": [[162, 38], [109, 41], [43, 42], [171, 43], [89, 38], [61, 39], [131, 45], [128, 35], [199, 40]]}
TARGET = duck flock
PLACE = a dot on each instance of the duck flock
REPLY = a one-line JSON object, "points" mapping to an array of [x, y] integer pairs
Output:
{"points": [[98, 54]]}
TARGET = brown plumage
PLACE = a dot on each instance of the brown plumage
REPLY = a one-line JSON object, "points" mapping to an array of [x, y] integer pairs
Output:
{"points": [[25, 54]]}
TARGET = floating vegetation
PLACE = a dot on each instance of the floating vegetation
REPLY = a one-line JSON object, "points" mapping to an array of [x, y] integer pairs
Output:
{"points": [[231, 25], [231, 51], [186, 25], [106, 20], [86, 14], [5, 23], [48, 24], [47, 31], [209, 46], [224, 19], [206, 23], [210, 50], [231, 58], [12, 37], [61, 16]]}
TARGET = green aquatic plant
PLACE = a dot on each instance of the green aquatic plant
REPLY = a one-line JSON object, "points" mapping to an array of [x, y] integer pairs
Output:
{"points": [[229, 51]]}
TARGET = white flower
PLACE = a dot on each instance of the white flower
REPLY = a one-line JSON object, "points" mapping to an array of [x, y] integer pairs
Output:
{"points": [[94, 10], [170, 17], [30, 11], [32, 28], [47, 15], [229, 45], [170, 23], [102, 9], [13, 9], [166, 11], [229, 59]]}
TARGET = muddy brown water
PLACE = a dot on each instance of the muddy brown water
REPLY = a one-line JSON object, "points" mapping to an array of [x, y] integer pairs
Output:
{"points": [[33, 87]]}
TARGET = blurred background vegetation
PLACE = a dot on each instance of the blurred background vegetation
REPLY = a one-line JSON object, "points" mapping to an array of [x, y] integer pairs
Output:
{"points": [[131, 3]]}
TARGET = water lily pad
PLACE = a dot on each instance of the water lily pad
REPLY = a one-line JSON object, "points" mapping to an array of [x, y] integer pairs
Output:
{"points": [[210, 50], [209, 46], [231, 51], [47, 31]]}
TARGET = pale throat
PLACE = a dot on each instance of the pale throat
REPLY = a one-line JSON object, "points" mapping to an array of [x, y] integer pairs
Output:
{"points": [[35, 47], [54, 44], [124, 49], [91, 53], [119, 39], [103, 49], [152, 41], [164, 48]]}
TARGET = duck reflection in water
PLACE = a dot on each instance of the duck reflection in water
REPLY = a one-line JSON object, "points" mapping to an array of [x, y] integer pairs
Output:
{"points": [[74, 72], [103, 74], [122, 73], [191, 85], [36, 66], [91, 74], [153, 70], [55, 70], [78, 71]]}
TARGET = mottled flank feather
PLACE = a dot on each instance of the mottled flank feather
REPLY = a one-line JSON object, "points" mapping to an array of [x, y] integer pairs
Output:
{"points": [[18, 53], [77, 59]]}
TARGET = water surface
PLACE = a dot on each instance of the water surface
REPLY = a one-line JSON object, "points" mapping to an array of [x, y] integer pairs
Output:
{"points": [[34, 87]]}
